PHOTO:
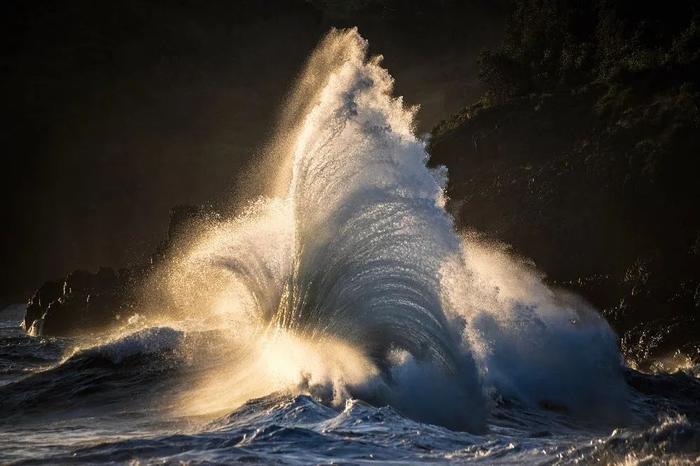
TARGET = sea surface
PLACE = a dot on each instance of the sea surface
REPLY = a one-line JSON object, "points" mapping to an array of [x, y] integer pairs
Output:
{"points": [[107, 404], [342, 318]]}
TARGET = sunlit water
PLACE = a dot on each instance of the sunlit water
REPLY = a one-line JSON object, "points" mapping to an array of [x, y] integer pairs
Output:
{"points": [[342, 318]]}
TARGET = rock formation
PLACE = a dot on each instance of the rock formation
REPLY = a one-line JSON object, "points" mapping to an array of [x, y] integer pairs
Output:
{"points": [[86, 301], [583, 155]]}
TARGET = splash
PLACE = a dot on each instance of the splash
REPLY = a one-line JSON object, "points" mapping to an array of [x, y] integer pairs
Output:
{"points": [[349, 280]]}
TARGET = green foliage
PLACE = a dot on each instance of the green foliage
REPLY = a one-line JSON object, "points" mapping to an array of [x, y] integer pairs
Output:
{"points": [[503, 76], [583, 155], [557, 44]]}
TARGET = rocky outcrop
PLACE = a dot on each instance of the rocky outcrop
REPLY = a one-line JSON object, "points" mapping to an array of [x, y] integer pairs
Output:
{"points": [[86, 301], [589, 165], [83, 301]]}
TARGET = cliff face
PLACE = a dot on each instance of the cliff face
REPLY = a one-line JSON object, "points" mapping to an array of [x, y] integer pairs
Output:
{"points": [[583, 155]]}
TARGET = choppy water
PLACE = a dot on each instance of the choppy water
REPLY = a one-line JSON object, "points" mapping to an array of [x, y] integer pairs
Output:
{"points": [[108, 404], [343, 319]]}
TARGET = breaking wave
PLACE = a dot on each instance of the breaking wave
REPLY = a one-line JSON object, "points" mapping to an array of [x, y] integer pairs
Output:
{"points": [[350, 281], [342, 317]]}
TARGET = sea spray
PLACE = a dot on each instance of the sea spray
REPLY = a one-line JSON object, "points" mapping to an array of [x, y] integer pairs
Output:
{"points": [[370, 232], [352, 281], [542, 346]]}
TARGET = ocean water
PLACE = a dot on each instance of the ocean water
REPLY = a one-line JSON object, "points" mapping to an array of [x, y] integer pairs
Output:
{"points": [[110, 403], [343, 318]]}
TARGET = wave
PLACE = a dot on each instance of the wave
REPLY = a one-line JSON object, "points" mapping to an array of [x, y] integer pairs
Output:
{"points": [[672, 440], [355, 283], [103, 376], [343, 317], [303, 430]]}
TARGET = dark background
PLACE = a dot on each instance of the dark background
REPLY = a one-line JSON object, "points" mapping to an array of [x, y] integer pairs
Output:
{"points": [[569, 129], [113, 112]]}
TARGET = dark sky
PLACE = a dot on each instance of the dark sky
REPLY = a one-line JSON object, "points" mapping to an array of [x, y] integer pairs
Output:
{"points": [[113, 112]]}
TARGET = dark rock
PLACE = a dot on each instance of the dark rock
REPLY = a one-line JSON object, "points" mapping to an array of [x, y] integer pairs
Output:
{"points": [[85, 301], [37, 305], [78, 283], [184, 219], [592, 172], [64, 317]]}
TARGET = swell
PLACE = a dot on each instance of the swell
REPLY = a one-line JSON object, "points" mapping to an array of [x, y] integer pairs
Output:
{"points": [[102, 377], [300, 429]]}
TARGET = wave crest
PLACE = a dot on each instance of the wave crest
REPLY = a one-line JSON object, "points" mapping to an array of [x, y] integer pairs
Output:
{"points": [[355, 279]]}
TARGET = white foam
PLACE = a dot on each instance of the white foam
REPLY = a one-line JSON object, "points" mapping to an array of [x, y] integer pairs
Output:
{"points": [[147, 341], [360, 254]]}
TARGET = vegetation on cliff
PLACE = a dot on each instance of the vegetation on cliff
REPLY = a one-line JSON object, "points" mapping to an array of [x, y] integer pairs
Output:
{"points": [[583, 155]]}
